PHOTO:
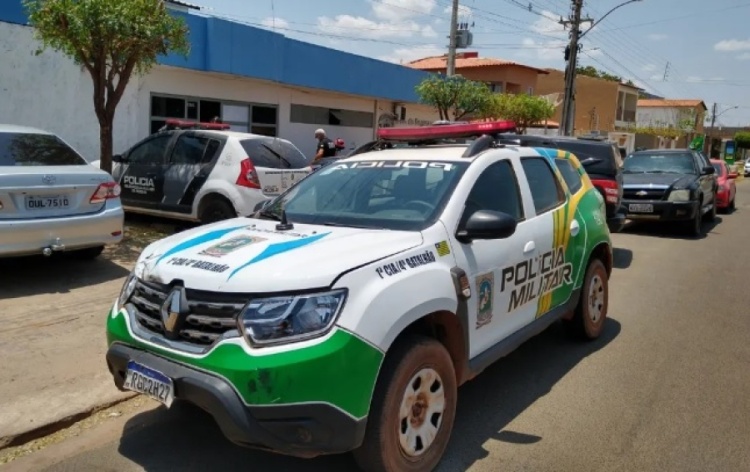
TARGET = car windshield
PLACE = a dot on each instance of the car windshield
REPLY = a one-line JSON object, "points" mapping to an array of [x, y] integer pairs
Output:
{"points": [[660, 163], [29, 149], [719, 169], [395, 195]]}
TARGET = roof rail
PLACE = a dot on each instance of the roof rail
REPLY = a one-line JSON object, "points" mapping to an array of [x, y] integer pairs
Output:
{"points": [[185, 124]]}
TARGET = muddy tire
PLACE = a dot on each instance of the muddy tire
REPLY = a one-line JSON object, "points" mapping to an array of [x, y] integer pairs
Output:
{"points": [[413, 409], [216, 210], [694, 227], [732, 206], [591, 312]]}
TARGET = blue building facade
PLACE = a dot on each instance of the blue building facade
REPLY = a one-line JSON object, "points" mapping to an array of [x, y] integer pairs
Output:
{"points": [[222, 46]]}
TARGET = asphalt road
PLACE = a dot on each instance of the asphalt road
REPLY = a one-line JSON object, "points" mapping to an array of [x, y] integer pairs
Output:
{"points": [[665, 388]]}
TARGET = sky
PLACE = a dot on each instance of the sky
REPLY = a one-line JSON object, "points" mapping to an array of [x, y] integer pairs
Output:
{"points": [[684, 49]]}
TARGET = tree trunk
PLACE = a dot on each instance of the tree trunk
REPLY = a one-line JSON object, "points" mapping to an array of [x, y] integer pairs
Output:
{"points": [[105, 144]]}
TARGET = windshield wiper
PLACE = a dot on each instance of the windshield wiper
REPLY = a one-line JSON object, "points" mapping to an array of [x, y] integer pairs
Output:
{"points": [[269, 214]]}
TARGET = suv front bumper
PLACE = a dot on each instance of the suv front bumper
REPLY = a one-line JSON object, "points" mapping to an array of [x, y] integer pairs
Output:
{"points": [[301, 430], [661, 210]]}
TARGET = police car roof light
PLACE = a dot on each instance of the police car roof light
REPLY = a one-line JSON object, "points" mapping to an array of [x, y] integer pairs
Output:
{"points": [[184, 124], [451, 131]]}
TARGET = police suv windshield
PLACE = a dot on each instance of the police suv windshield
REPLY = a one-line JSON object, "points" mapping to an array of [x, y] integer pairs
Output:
{"points": [[397, 195]]}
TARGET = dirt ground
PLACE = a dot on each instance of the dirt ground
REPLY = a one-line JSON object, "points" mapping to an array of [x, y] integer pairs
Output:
{"points": [[52, 340]]}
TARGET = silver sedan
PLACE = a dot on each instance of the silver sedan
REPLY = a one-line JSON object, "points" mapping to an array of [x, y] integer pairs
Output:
{"points": [[52, 200]]}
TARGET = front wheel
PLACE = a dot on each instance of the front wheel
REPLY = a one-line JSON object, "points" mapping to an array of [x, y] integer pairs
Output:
{"points": [[591, 311], [413, 409], [711, 215]]}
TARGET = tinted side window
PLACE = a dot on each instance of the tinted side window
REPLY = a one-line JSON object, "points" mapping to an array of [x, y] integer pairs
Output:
{"points": [[571, 176], [289, 152], [545, 188], [150, 152], [212, 148], [703, 160], [497, 190], [188, 150], [263, 155], [604, 156], [28, 149]]}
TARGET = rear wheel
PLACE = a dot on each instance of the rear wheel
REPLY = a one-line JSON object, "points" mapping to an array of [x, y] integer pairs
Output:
{"points": [[87, 254], [591, 312], [216, 210], [413, 409], [732, 205]]}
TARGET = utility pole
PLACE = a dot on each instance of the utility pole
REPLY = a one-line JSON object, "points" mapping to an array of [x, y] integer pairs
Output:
{"points": [[451, 66], [710, 133], [571, 53]]}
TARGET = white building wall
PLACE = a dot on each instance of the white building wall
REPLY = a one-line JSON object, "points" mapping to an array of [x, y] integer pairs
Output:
{"points": [[657, 116], [50, 92]]}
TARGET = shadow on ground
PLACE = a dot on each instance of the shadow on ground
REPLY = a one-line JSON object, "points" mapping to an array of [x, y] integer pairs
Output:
{"points": [[185, 438], [675, 230], [622, 258]]}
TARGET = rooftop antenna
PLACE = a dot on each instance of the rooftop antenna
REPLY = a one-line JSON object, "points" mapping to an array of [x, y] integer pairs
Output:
{"points": [[284, 224]]}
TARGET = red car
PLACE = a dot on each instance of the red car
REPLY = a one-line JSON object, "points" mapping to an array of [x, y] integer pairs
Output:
{"points": [[727, 190]]}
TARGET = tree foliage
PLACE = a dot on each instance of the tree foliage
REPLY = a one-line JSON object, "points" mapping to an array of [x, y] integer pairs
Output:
{"points": [[591, 71], [742, 139], [454, 97], [525, 110], [112, 40]]}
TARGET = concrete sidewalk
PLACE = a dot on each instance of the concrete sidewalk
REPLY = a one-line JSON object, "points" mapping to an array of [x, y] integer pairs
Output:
{"points": [[52, 338]]}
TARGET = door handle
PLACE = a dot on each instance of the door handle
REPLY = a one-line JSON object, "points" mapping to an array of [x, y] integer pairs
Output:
{"points": [[574, 228], [529, 247]]}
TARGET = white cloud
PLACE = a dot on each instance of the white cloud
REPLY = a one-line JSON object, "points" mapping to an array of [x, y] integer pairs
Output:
{"points": [[462, 11], [745, 56], [733, 45], [548, 25], [365, 28], [696, 79], [275, 23], [400, 10], [657, 36], [649, 68], [551, 49], [404, 55]]}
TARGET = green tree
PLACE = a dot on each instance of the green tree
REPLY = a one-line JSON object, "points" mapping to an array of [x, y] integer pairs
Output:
{"points": [[742, 139], [591, 71], [525, 110], [111, 39], [454, 97]]}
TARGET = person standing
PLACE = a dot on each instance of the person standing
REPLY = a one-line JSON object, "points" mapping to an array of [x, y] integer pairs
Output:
{"points": [[326, 147]]}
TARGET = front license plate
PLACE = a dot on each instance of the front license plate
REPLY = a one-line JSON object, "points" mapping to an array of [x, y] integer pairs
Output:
{"points": [[149, 382], [641, 208], [47, 202]]}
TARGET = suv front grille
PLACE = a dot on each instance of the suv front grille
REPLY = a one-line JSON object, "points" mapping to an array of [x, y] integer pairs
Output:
{"points": [[646, 193], [211, 315]]}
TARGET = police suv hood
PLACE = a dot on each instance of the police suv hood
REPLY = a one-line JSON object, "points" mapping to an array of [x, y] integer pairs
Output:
{"points": [[644, 180], [252, 256]]}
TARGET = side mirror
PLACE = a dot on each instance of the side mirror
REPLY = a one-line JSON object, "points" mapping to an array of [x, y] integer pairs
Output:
{"points": [[709, 170], [487, 224], [118, 158], [733, 175]]}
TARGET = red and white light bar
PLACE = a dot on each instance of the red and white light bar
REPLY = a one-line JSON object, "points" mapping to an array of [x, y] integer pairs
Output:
{"points": [[453, 131], [183, 124]]}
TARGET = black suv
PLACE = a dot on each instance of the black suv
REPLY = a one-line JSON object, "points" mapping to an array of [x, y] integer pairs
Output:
{"points": [[600, 158], [670, 185]]}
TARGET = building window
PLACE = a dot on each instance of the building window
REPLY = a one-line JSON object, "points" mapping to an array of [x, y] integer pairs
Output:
{"points": [[245, 117], [530, 91], [495, 87], [331, 116]]}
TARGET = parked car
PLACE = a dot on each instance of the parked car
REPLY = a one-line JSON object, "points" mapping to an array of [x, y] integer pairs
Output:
{"points": [[727, 189], [204, 172], [346, 315], [675, 185], [600, 158], [747, 167], [52, 199]]}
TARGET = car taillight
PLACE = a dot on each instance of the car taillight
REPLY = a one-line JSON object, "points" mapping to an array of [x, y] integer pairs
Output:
{"points": [[610, 189], [105, 191], [248, 176]]}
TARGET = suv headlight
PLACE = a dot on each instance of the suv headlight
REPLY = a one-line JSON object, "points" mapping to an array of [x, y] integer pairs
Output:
{"points": [[679, 196], [292, 318], [127, 290]]}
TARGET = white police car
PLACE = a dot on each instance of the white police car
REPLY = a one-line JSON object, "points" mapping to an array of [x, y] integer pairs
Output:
{"points": [[345, 316], [204, 172]]}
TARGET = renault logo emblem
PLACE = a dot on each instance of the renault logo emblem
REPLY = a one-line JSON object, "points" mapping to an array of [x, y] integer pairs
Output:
{"points": [[642, 193], [173, 311], [49, 179]]}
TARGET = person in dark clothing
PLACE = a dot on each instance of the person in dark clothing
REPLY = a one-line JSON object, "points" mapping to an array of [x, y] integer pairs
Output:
{"points": [[326, 147]]}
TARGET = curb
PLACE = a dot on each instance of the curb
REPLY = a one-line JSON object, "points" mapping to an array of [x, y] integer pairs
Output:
{"points": [[55, 426]]}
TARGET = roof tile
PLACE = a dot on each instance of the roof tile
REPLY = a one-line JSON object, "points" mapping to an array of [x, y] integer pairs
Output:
{"points": [[670, 103], [435, 63]]}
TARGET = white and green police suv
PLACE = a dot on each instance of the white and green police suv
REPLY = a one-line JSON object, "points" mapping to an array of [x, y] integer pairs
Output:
{"points": [[344, 316]]}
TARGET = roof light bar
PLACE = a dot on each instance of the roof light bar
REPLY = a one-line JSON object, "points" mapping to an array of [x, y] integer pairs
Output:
{"points": [[184, 124], [448, 131]]}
